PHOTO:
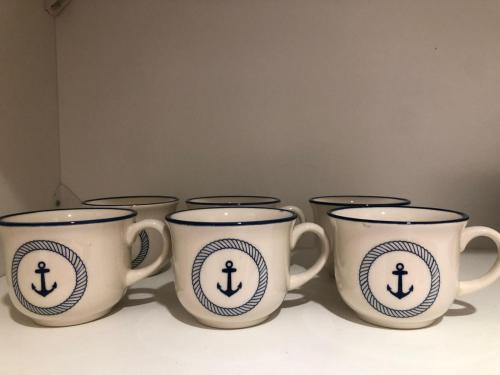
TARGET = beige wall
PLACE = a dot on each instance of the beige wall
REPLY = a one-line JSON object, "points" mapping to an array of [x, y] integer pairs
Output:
{"points": [[288, 98], [29, 141]]}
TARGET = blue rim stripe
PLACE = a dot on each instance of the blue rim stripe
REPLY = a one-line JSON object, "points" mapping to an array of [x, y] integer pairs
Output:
{"points": [[402, 201], [170, 218], [131, 213], [270, 200], [168, 199], [463, 217]]}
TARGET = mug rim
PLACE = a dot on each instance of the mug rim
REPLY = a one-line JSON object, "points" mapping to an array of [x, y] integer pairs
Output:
{"points": [[130, 214], [462, 216], [292, 216], [271, 200], [167, 199], [402, 201]]}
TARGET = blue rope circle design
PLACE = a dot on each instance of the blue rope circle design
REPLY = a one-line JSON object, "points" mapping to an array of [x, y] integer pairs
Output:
{"points": [[143, 252], [229, 243], [412, 248], [70, 255]]}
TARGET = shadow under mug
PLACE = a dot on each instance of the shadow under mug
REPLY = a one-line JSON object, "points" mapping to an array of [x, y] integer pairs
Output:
{"points": [[398, 267], [71, 266], [242, 201], [149, 243], [231, 265], [321, 205]]}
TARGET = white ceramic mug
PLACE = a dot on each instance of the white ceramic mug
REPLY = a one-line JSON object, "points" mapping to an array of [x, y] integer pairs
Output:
{"points": [[66, 267], [149, 243], [321, 205], [242, 201], [231, 264], [398, 266]]}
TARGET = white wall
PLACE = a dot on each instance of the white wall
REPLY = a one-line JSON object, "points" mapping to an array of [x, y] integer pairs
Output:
{"points": [[287, 98], [29, 140]]}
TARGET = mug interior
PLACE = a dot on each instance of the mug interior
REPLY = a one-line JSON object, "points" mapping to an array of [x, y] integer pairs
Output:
{"points": [[226, 216], [399, 215], [359, 200], [133, 200], [67, 217], [233, 200]]}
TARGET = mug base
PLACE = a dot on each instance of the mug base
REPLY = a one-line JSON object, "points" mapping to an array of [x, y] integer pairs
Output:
{"points": [[396, 325], [231, 325], [71, 322]]}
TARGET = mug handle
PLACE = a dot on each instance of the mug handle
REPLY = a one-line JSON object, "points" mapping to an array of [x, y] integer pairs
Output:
{"points": [[297, 280], [134, 275], [466, 287], [298, 211]]}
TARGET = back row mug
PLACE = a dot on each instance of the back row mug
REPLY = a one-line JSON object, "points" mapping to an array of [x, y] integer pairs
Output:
{"points": [[148, 245], [242, 201]]}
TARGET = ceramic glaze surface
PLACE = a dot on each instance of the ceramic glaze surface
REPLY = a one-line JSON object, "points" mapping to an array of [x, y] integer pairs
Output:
{"points": [[231, 265], [321, 205], [148, 245], [73, 272], [403, 275], [242, 201]]}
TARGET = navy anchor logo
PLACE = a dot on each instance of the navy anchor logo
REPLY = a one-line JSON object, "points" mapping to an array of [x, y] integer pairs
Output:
{"points": [[42, 270], [400, 272], [229, 288]]}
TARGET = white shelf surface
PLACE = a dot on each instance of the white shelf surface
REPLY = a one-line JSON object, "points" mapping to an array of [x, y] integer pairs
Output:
{"points": [[314, 332]]}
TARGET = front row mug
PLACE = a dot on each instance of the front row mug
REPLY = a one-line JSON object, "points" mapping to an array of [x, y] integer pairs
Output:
{"points": [[231, 265], [67, 267], [398, 267]]}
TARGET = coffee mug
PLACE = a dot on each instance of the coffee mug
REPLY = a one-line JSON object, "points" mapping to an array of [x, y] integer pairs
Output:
{"points": [[66, 267], [321, 205], [231, 264], [148, 246], [241, 201], [397, 267]]}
